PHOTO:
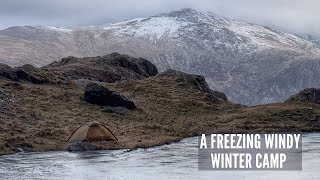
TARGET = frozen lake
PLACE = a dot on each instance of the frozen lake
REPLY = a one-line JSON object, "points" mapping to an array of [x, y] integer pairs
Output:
{"points": [[174, 161]]}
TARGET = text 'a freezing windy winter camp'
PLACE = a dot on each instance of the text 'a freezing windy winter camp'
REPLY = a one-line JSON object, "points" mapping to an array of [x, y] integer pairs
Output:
{"points": [[250, 151]]}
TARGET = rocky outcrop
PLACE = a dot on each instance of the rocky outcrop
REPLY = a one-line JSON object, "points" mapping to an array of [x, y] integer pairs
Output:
{"points": [[30, 74], [26, 72], [140, 66], [7, 72], [219, 94], [81, 146], [106, 69], [97, 94], [109, 68], [192, 81], [310, 95], [23, 147], [187, 80]]}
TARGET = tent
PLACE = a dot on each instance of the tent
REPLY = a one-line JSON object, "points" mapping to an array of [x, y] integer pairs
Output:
{"points": [[92, 131]]}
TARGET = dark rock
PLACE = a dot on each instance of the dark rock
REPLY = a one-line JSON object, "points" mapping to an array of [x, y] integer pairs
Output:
{"points": [[81, 146], [30, 74], [140, 66], [23, 147], [7, 72], [310, 95], [211, 98], [21, 73], [117, 110], [220, 95], [97, 94], [188, 80]]}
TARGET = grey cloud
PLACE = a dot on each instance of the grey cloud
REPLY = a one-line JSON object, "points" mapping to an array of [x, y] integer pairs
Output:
{"points": [[292, 15]]}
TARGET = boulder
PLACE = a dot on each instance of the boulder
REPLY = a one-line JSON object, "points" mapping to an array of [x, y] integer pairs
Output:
{"points": [[310, 95], [81, 146], [100, 95], [23, 147]]}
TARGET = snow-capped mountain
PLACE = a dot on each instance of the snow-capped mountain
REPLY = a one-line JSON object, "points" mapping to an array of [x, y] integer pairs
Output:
{"points": [[252, 64]]}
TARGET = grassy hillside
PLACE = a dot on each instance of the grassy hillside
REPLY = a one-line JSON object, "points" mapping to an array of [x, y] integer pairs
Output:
{"points": [[43, 116]]}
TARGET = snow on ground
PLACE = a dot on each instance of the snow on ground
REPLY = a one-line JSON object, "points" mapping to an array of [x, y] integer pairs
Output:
{"points": [[266, 37], [60, 29], [155, 26]]}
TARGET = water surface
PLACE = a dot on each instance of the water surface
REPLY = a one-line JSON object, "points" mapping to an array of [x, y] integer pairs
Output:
{"points": [[174, 161]]}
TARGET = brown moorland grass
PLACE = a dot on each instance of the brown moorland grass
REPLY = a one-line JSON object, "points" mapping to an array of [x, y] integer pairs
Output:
{"points": [[44, 116]]}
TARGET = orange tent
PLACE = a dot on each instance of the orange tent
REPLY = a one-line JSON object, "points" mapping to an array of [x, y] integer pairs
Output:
{"points": [[92, 131]]}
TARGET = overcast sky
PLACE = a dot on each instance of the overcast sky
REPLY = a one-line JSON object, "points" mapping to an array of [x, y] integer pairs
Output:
{"points": [[298, 16]]}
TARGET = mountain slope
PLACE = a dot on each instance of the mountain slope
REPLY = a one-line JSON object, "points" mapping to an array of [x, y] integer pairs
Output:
{"points": [[252, 64], [41, 115]]}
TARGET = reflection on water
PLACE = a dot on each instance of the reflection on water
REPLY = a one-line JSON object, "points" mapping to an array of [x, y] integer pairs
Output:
{"points": [[174, 161]]}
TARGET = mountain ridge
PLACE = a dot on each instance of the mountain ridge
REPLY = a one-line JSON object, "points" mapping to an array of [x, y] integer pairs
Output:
{"points": [[236, 57]]}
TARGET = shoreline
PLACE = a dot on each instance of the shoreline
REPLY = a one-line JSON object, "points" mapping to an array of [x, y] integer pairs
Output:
{"points": [[144, 147]]}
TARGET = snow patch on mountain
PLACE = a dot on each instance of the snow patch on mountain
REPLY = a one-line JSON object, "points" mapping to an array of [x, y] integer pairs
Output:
{"points": [[156, 26], [266, 37], [59, 29], [246, 36]]}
